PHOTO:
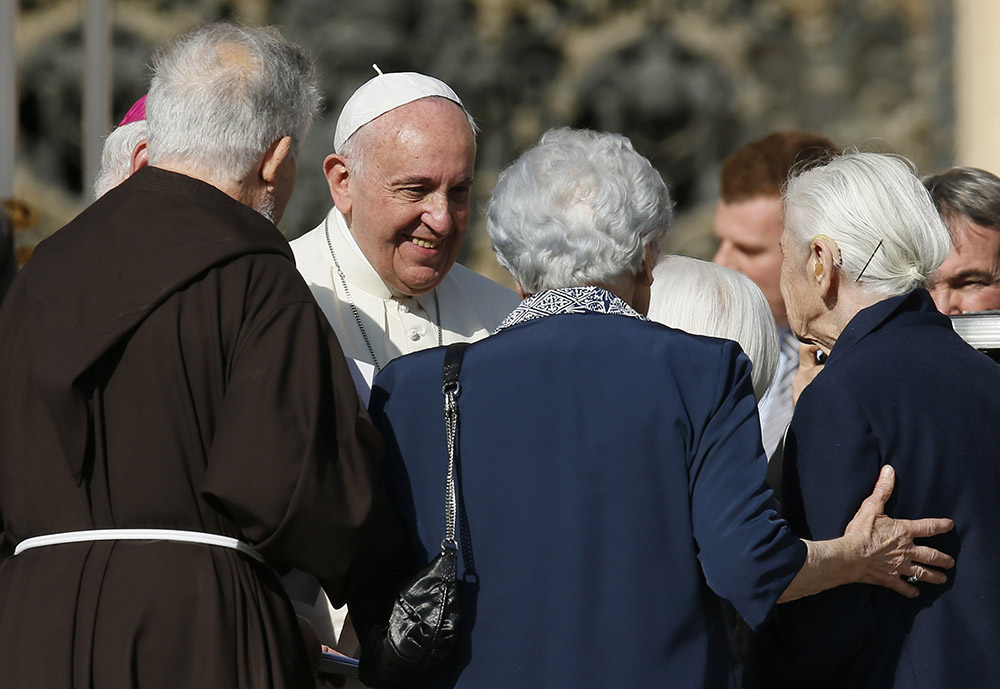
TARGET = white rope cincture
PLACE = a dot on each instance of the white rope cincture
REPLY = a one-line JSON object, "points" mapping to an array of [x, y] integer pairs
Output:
{"points": [[175, 535]]}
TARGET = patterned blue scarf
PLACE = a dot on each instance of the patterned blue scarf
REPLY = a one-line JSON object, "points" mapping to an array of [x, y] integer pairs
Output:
{"points": [[552, 302]]}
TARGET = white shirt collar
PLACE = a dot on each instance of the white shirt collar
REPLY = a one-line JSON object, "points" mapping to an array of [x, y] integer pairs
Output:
{"points": [[357, 268], [789, 345]]}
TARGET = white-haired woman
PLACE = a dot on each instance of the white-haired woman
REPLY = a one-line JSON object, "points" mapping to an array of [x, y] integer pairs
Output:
{"points": [[611, 473], [861, 236], [704, 298]]}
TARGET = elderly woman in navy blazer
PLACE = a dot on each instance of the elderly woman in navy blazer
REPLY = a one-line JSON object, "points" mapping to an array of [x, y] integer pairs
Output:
{"points": [[611, 475], [861, 238]]}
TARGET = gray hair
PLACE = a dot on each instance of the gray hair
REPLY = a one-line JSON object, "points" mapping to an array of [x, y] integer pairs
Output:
{"points": [[889, 234], [116, 156], [704, 298], [966, 192], [222, 94], [577, 209], [359, 143]]}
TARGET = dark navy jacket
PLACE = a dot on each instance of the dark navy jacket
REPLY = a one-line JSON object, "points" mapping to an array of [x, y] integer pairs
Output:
{"points": [[613, 483], [901, 388]]}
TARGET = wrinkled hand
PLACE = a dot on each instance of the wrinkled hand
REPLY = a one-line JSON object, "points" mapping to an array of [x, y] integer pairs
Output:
{"points": [[886, 545], [809, 366]]}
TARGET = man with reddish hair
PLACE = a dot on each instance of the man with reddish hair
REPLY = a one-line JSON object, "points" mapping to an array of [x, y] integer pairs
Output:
{"points": [[748, 224]]}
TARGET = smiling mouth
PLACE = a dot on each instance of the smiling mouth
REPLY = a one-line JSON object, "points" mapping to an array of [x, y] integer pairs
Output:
{"points": [[425, 244]]}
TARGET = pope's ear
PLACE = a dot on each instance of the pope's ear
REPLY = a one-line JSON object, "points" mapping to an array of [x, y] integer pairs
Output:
{"points": [[338, 178]]}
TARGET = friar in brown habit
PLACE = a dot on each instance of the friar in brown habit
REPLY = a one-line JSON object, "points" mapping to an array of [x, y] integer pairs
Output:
{"points": [[165, 368]]}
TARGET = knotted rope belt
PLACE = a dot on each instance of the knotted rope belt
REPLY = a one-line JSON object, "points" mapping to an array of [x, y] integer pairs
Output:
{"points": [[138, 535]]}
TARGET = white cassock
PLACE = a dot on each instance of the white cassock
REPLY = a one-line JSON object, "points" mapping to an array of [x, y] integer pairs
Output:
{"points": [[395, 324], [471, 307]]}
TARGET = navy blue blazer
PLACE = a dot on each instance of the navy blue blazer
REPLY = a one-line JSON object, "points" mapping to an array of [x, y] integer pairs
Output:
{"points": [[612, 478], [901, 388]]}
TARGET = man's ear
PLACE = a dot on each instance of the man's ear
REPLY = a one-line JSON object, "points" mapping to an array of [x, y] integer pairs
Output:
{"points": [[140, 156], [338, 178], [276, 157]]}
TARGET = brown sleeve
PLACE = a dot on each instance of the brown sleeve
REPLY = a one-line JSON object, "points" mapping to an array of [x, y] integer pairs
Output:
{"points": [[295, 460]]}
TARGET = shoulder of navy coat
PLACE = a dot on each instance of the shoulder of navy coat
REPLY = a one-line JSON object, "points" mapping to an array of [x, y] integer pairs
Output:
{"points": [[900, 388]]}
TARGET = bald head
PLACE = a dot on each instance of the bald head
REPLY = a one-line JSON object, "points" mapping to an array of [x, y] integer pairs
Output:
{"points": [[222, 95]]}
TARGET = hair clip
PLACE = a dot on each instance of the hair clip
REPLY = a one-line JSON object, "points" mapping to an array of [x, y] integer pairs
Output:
{"points": [[858, 279]]}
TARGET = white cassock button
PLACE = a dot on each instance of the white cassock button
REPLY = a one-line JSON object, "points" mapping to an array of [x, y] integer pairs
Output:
{"points": [[414, 334], [404, 308]]}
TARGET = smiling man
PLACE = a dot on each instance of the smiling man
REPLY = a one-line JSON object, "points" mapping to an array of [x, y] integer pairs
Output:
{"points": [[968, 200], [382, 263]]}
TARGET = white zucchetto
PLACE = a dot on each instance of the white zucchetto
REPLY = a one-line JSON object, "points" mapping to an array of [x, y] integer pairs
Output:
{"points": [[383, 93]]}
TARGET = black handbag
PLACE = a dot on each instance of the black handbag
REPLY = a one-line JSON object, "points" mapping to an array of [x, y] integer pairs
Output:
{"points": [[423, 625]]}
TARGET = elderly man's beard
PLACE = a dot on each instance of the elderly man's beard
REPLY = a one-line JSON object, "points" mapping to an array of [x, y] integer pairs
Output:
{"points": [[266, 207]]}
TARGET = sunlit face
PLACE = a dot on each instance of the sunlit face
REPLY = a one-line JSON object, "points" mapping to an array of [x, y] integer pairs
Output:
{"points": [[969, 278], [409, 206], [749, 233]]}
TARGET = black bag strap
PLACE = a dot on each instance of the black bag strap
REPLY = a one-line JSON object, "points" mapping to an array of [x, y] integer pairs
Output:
{"points": [[451, 390], [453, 363]]}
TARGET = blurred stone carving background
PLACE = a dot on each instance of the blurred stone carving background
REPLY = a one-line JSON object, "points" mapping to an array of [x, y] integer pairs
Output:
{"points": [[687, 80]]}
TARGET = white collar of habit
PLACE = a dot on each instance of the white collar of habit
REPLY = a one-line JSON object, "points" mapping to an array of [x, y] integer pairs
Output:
{"points": [[552, 302]]}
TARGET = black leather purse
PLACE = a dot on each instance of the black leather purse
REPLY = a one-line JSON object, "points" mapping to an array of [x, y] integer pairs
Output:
{"points": [[423, 625]]}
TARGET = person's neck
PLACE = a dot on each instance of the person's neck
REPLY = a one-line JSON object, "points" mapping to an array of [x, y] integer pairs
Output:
{"points": [[826, 329], [626, 293], [237, 189], [633, 290]]}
